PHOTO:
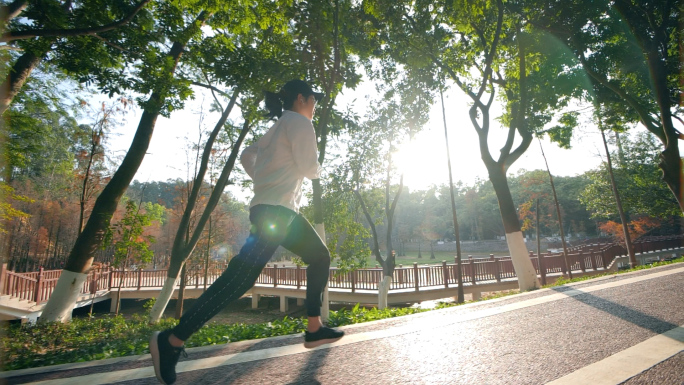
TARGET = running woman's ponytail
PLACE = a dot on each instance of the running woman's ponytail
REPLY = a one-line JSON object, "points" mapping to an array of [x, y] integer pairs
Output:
{"points": [[274, 104]]}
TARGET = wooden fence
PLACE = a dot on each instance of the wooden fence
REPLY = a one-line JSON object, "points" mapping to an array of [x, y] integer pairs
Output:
{"points": [[38, 286]]}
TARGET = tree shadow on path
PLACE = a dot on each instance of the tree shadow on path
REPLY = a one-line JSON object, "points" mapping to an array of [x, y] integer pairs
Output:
{"points": [[628, 314], [308, 371], [232, 372]]}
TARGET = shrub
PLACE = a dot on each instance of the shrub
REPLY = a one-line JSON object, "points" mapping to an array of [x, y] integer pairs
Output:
{"points": [[96, 338]]}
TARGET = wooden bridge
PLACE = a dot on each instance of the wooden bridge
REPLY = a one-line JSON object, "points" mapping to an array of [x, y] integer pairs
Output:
{"points": [[23, 295]]}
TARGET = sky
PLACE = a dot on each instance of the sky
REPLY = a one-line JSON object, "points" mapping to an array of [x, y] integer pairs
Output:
{"points": [[423, 160]]}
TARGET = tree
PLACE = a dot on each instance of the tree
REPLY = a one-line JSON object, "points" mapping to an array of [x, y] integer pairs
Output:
{"points": [[388, 261], [40, 145], [327, 35], [630, 49], [457, 235], [558, 214], [252, 48], [39, 28], [7, 212], [91, 158], [487, 51], [638, 179], [166, 93], [41, 131], [128, 238], [387, 123], [329, 40], [346, 235]]}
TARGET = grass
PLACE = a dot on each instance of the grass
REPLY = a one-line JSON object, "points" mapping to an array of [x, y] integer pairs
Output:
{"points": [[109, 336], [448, 256]]}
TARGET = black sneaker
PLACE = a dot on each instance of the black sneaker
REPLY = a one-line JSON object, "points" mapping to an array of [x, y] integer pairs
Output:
{"points": [[164, 357], [324, 335]]}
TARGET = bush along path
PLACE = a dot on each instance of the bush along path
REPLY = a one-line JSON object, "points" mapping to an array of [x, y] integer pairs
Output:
{"points": [[96, 338]]}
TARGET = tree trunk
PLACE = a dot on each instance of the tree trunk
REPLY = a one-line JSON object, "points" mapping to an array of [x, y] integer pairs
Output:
{"points": [[540, 259], [670, 159], [527, 276], [206, 259], [651, 43], [388, 263], [164, 295], [81, 256], [181, 250], [383, 290], [621, 211], [59, 307], [84, 188], [181, 292], [118, 291], [558, 214], [18, 75], [12, 10], [459, 273], [671, 166]]}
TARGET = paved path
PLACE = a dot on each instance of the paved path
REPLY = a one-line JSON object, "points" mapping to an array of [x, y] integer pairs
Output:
{"points": [[620, 329]]}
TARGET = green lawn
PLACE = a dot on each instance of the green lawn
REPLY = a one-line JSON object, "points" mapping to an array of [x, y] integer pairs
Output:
{"points": [[448, 256]]}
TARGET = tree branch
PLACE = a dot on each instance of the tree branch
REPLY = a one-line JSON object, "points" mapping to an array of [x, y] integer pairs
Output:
{"points": [[489, 57], [519, 111], [644, 116], [120, 48], [221, 183], [12, 10], [10, 48], [197, 183], [31, 33], [209, 86], [376, 246]]}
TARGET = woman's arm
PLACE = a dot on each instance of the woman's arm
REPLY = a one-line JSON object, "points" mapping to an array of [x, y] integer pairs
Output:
{"points": [[248, 159], [304, 149]]}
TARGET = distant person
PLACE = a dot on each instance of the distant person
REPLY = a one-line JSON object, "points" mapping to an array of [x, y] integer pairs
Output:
{"points": [[277, 164]]}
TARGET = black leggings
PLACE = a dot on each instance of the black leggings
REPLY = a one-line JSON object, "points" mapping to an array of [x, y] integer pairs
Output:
{"points": [[272, 226]]}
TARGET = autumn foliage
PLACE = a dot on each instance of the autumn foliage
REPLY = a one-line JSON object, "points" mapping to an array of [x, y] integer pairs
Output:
{"points": [[637, 228]]}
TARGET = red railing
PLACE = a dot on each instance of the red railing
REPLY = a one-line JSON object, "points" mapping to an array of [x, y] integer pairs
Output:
{"points": [[38, 286]]}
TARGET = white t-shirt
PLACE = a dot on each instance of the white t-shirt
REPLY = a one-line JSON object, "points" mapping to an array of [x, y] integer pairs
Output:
{"points": [[281, 159]]}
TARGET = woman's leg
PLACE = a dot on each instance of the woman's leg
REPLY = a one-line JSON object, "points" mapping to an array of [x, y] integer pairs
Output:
{"points": [[303, 240], [269, 227]]}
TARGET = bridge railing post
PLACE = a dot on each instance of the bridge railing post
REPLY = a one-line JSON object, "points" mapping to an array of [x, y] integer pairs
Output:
{"points": [[415, 276], [445, 275], [111, 277], [39, 286], [93, 281], [3, 278], [275, 275], [298, 277], [603, 259], [472, 269], [139, 278], [353, 280], [497, 267], [582, 262]]}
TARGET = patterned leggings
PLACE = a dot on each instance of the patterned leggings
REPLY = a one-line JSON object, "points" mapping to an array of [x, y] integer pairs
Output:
{"points": [[272, 226]]}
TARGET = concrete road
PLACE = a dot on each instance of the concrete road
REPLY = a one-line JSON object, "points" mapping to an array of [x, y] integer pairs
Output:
{"points": [[619, 329]]}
